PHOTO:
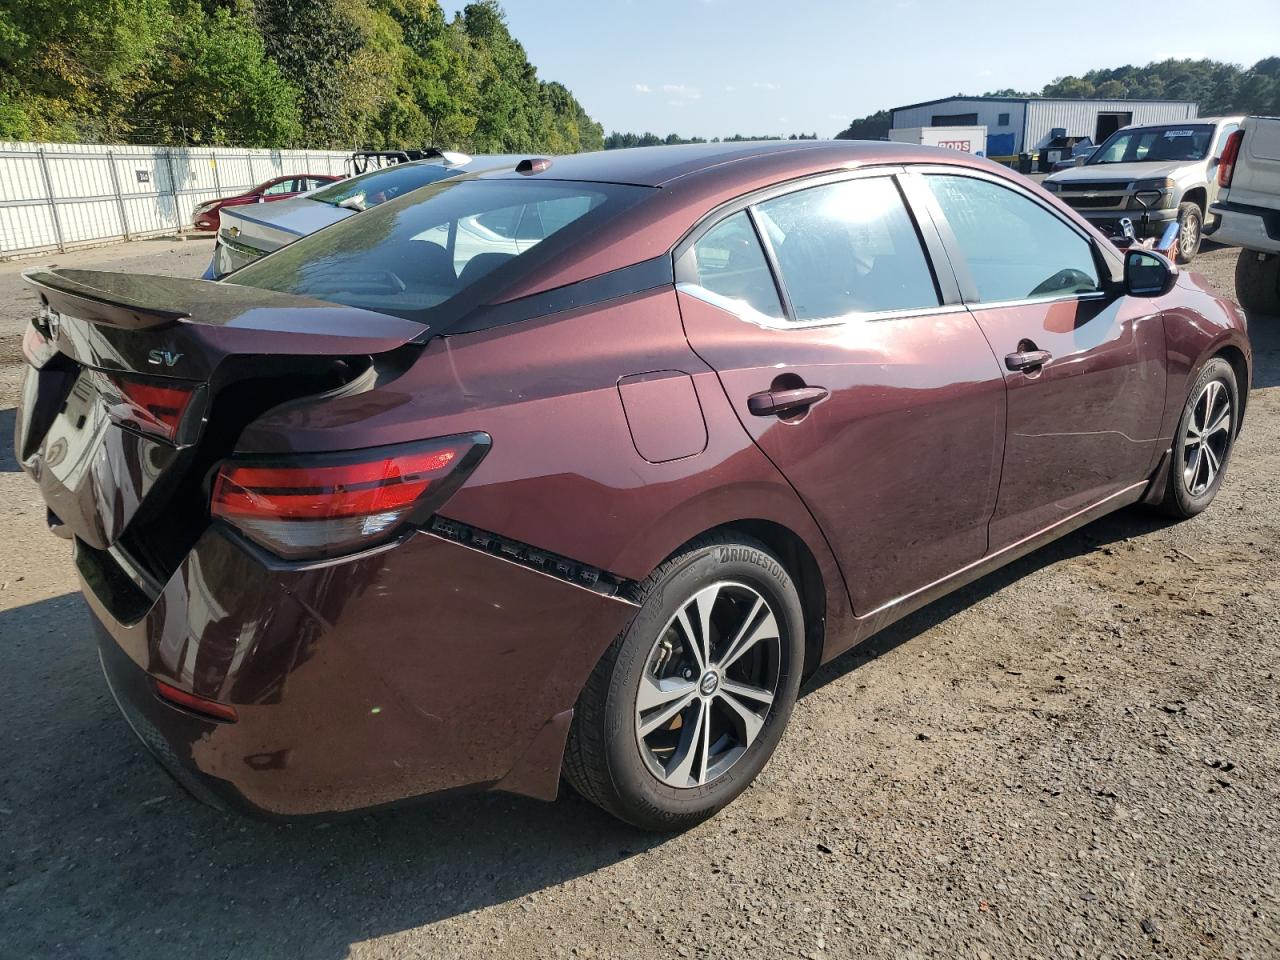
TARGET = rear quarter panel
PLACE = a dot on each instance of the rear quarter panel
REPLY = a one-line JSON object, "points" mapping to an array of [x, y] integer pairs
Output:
{"points": [[564, 473]]}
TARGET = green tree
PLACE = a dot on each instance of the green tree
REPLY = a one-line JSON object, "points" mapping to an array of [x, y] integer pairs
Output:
{"points": [[213, 83]]}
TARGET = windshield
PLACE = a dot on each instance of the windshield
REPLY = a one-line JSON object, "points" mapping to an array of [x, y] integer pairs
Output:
{"points": [[378, 186], [1155, 144], [415, 255]]}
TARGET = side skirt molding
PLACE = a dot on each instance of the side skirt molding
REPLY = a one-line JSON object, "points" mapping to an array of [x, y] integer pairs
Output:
{"points": [[894, 610]]}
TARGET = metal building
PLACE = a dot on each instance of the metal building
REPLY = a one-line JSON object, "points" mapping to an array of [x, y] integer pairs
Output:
{"points": [[1022, 124]]}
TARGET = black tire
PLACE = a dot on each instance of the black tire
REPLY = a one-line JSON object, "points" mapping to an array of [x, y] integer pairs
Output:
{"points": [[1258, 282], [1184, 496], [1190, 223], [606, 759]]}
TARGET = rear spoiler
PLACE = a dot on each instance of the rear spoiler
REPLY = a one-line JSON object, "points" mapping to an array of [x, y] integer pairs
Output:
{"points": [[89, 295]]}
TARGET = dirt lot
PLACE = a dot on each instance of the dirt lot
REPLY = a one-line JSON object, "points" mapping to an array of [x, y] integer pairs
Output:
{"points": [[1075, 757]]}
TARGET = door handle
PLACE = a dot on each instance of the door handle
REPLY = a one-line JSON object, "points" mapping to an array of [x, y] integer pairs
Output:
{"points": [[773, 403], [1027, 359]]}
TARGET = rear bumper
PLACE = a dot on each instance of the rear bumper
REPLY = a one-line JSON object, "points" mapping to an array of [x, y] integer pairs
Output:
{"points": [[1253, 228], [423, 668]]}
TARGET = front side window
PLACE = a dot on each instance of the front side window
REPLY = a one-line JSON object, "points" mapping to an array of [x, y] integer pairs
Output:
{"points": [[848, 248], [1015, 249], [421, 251], [275, 189], [733, 271]]}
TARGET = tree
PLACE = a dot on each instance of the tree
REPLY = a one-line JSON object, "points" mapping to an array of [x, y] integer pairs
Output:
{"points": [[212, 83]]}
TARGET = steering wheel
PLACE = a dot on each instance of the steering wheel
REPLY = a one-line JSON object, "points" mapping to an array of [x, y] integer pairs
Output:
{"points": [[1067, 279]]}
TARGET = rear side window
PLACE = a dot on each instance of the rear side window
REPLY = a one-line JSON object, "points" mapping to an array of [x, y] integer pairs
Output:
{"points": [[847, 248], [1015, 249], [413, 255], [732, 268]]}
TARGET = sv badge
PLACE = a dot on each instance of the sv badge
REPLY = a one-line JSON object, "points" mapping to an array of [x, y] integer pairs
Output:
{"points": [[163, 358]]}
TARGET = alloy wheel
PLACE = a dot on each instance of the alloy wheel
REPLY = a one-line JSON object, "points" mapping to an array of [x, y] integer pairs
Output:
{"points": [[1188, 236], [1208, 438], [708, 685]]}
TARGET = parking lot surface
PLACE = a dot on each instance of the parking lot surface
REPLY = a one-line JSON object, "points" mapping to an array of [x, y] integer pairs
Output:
{"points": [[1077, 756]]}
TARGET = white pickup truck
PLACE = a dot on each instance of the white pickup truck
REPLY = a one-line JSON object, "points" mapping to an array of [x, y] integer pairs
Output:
{"points": [[1248, 211]]}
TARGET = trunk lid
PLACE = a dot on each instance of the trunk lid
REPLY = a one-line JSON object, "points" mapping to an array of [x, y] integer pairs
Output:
{"points": [[138, 384], [269, 227]]}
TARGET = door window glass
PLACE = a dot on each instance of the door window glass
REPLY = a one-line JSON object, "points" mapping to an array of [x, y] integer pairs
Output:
{"points": [[284, 186], [732, 268], [847, 248], [1015, 249]]}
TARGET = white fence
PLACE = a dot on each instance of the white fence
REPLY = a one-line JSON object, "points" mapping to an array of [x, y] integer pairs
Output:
{"points": [[54, 196]]}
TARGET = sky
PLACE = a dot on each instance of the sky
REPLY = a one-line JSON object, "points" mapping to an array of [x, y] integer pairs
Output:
{"points": [[719, 67]]}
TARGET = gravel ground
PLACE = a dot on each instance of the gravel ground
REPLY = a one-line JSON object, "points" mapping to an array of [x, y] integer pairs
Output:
{"points": [[1075, 757]]}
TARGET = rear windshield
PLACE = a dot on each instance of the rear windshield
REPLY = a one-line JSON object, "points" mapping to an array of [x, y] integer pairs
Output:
{"points": [[1153, 144], [424, 256], [378, 186]]}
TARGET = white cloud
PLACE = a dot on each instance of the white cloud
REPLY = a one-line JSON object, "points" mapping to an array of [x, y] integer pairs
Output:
{"points": [[842, 117], [764, 85], [683, 91], [730, 88], [984, 73], [642, 88], [676, 103]]}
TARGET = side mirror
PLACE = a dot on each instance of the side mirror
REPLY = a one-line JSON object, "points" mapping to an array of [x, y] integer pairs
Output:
{"points": [[1147, 273]]}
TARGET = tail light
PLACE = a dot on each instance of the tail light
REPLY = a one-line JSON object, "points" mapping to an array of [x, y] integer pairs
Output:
{"points": [[329, 504], [1227, 165], [150, 407], [211, 709]]}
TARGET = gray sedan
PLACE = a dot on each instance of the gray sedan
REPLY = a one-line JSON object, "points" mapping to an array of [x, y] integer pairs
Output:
{"points": [[253, 231]]}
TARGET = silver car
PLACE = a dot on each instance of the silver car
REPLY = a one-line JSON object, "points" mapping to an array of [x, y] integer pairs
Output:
{"points": [[253, 231]]}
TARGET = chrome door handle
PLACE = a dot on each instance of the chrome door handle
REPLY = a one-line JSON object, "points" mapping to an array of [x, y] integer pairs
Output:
{"points": [[1027, 359], [772, 403]]}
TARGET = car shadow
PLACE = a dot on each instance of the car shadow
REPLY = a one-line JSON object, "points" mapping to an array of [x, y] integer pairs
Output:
{"points": [[110, 855], [1264, 335], [105, 856], [8, 422], [1122, 525]]}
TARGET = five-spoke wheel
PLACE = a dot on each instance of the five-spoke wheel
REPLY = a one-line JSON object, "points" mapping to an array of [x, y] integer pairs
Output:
{"points": [[708, 685], [1208, 436], [1206, 431], [687, 705]]}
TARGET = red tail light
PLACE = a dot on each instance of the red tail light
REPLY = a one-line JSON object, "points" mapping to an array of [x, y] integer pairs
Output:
{"points": [[150, 407], [189, 701], [1227, 165], [329, 504]]}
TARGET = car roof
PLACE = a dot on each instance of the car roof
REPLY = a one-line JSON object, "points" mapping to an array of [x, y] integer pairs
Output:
{"points": [[661, 166]]}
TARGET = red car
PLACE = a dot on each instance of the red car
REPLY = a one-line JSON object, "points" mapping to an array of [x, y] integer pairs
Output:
{"points": [[205, 215], [581, 467]]}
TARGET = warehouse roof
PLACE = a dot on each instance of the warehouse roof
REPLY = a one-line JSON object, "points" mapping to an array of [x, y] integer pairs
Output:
{"points": [[930, 103]]}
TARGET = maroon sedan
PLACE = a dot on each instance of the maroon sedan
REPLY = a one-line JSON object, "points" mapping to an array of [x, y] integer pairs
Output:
{"points": [[205, 216], [582, 467]]}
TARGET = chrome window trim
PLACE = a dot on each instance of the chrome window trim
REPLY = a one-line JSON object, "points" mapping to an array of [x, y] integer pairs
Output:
{"points": [[698, 292]]}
